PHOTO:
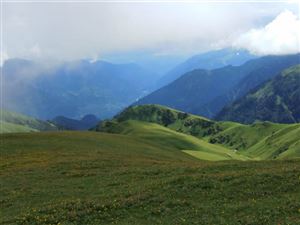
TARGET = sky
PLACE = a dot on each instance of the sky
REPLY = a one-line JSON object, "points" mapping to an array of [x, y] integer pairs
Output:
{"points": [[77, 30]]}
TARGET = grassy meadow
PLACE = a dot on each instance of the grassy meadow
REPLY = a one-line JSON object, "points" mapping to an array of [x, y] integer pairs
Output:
{"points": [[101, 178]]}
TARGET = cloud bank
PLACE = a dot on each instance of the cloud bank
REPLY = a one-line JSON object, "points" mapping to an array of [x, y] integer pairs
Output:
{"points": [[280, 36], [70, 31]]}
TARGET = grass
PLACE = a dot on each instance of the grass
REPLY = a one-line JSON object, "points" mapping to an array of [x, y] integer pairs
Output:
{"points": [[139, 171], [6, 127], [163, 136], [225, 140], [12, 122], [207, 155], [262, 140], [100, 178]]}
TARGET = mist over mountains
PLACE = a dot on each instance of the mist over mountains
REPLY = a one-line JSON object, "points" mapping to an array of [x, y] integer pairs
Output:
{"points": [[73, 89], [76, 88]]}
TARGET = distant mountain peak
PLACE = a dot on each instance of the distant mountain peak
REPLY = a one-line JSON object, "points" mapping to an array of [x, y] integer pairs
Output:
{"points": [[208, 60]]}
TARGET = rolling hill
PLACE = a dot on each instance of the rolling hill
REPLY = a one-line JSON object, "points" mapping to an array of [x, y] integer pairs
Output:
{"points": [[11, 122], [151, 165], [162, 136], [206, 92], [276, 100], [261, 140]]}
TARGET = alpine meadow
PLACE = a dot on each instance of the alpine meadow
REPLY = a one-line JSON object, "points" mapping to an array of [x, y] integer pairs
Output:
{"points": [[150, 112]]}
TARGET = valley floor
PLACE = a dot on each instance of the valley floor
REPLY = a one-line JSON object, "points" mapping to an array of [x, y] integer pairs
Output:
{"points": [[100, 178]]}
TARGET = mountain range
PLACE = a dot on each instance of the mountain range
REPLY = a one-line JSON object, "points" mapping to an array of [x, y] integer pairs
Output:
{"points": [[206, 92], [208, 61], [86, 122], [76, 88], [72, 89], [276, 100]]}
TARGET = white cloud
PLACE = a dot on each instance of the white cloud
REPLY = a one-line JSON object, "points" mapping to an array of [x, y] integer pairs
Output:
{"points": [[68, 31], [280, 36], [3, 57], [35, 51]]}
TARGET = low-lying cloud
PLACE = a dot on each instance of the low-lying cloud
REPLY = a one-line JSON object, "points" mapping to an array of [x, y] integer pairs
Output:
{"points": [[281, 36], [70, 31]]}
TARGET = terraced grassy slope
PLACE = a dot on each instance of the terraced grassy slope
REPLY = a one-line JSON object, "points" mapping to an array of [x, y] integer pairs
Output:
{"points": [[262, 140], [100, 178], [11, 122]]}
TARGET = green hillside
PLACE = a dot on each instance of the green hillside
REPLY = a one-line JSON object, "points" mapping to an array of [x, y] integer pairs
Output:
{"points": [[162, 136], [11, 122], [173, 119], [101, 178], [276, 100], [261, 140], [6, 127]]}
